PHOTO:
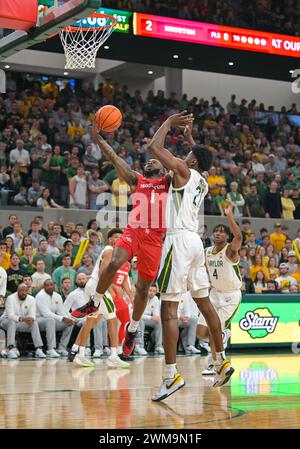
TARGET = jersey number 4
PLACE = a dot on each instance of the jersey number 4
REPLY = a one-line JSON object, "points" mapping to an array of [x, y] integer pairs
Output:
{"points": [[215, 274]]}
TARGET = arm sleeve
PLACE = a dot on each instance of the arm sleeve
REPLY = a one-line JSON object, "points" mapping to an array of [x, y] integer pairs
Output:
{"points": [[9, 307]]}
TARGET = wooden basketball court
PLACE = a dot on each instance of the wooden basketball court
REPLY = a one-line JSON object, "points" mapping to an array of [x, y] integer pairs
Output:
{"points": [[263, 393]]}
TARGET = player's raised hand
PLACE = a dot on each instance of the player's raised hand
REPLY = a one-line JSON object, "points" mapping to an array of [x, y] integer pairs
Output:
{"points": [[181, 119]]}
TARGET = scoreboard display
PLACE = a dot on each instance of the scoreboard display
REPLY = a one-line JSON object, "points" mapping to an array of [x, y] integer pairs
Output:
{"points": [[210, 34]]}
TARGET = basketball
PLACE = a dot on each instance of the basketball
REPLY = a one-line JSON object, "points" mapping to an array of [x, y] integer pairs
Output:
{"points": [[108, 118]]}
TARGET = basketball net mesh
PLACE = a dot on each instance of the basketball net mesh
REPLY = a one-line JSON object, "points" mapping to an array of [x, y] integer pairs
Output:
{"points": [[82, 44]]}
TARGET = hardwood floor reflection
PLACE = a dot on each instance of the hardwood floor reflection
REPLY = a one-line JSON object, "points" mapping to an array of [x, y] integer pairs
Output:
{"points": [[263, 393]]}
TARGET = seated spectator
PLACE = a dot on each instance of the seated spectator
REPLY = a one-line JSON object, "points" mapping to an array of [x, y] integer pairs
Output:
{"points": [[260, 283], [271, 288], [34, 192], [26, 261], [273, 269], [188, 322], [35, 235], [63, 271], [247, 284], [9, 229], [53, 317], [39, 276], [20, 315], [288, 206], [10, 245], [294, 289], [94, 246], [42, 254], [21, 198], [67, 251], [4, 256], [150, 319], [258, 266], [283, 255], [251, 241], [292, 262], [45, 201], [28, 282], [284, 280], [87, 265], [133, 270], [77, 299], [59, 238], [17, 235], [52, 249], [66, 288], [14, 275]]}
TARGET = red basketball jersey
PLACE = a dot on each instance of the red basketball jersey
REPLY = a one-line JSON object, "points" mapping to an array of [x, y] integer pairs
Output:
{"points": [[149, 203], [121, 274]]}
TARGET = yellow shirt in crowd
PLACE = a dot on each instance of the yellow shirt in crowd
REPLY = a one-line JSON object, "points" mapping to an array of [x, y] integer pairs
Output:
{"points": [[254, 269], [278, 241]]}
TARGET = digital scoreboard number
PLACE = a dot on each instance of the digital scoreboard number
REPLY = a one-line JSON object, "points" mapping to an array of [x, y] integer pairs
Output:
{"points": [[210, 34]]}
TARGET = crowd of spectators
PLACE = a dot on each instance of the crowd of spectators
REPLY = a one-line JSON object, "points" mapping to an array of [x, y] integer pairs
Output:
{"points": [[42, 262], [267, 15], [48, 157]]}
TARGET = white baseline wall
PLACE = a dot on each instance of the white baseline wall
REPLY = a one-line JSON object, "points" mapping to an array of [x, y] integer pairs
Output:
{"points": [[208, 84]]}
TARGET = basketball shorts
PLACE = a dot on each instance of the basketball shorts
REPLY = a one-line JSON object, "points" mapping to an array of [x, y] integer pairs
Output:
{"points": [[225, 304], [107, 307], [146, 244], [182, 267]]}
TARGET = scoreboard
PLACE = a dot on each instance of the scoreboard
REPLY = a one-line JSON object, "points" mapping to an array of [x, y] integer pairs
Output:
{"points": [[210, 34]]}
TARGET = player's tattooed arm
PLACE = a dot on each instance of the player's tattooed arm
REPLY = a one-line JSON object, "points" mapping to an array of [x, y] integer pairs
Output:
{"points": [[156, 146], [232, 251], [123, 169]]}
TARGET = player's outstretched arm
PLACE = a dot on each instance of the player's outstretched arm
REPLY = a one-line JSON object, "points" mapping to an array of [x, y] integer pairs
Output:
{"points": [[122, 168], [156, 146], [235, 245]]}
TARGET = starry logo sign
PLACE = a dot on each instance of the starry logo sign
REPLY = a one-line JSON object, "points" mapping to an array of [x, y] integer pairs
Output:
{"points": [[259, 323]]}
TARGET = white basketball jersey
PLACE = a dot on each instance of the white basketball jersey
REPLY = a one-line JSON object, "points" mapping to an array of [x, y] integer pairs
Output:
{"points": [[95, 273], [183, 204], [224, 275]]}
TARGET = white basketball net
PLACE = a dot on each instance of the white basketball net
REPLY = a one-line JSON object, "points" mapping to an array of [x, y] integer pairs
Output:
{"points": [[81, 46]]}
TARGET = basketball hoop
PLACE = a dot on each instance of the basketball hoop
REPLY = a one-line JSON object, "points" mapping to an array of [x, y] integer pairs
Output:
{"points": [[82, 40]]}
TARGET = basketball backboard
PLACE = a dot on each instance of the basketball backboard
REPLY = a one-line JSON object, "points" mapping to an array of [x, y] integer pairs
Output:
{"points": [[53, 16]]}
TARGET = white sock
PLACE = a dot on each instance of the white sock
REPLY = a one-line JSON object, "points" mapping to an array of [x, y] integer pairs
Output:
{"points": [[220, 356], [75, 348], [133, 326], [113, 351], [170, 370], [97, 298], [81, 351]]}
